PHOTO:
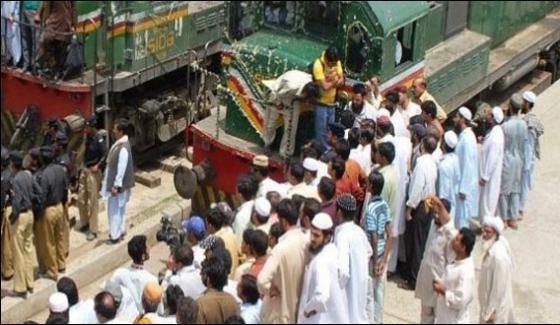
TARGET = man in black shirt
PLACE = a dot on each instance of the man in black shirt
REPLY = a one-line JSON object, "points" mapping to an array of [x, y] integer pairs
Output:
{"points": [[21, 226], [7, 262], [54, 184], [90, 178]]}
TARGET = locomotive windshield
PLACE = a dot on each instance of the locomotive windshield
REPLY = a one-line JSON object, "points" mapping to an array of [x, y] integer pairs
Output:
{"points": [[322, 18]]}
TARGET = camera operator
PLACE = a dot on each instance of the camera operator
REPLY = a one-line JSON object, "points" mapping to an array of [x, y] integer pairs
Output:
{"points": [[196, 234], [181, 272]]}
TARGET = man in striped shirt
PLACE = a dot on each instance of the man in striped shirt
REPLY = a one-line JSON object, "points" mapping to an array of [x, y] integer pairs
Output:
{"points": [[377, 225]]}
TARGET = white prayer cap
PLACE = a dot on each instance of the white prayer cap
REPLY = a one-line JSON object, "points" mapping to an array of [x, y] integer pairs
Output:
{"points": [[311, 164], [322, 221], [466, 113], [262, 207], [495, 222], [498, 114], [58, 303], [530, 97], [450, 138]]}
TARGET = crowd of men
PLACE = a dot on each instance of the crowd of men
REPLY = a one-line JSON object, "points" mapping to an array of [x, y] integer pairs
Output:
{"points": [[386, 191], [36, 34]]}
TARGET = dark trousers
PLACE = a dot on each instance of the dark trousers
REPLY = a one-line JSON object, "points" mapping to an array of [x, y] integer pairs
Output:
{"points": [[416, 235]]}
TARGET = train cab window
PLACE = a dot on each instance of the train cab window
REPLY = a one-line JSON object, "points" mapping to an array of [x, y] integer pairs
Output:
{"points": [[241, 23], [404, 46], [358, 47], [280, 14], [322, 18]]}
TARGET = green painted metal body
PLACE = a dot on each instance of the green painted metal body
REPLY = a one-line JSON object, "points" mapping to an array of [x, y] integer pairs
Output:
{"points": [[134, 35], [502, 19], [268, 51]]}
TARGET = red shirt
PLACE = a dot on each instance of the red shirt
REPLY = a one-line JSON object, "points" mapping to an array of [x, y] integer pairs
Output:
{"points": [[346, 186], [257, 267]]}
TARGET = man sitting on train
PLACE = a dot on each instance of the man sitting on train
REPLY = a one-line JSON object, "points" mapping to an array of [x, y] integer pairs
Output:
{"points": [[287, 94]]}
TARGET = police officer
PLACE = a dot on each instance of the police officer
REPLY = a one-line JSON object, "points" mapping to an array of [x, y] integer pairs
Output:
{"points": [[54, 184], [63, 158], [21, 226], [53, 127], [90, 178], [7, 262]]}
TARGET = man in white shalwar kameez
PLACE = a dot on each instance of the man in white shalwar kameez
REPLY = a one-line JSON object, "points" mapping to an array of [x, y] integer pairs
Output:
{"points": [[323, 299], [437, 256], [288, 93], [516, 133], [495, 291], [456, 289], [467, 151], [532, 147], [449, 173], [491, 161], [354, 253]]}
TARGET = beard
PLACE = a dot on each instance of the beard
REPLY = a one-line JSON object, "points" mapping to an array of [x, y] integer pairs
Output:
{"points": [[357, 108], [487, 245], [316, 250]]}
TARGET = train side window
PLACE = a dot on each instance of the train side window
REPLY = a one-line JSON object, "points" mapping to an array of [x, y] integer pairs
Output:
{"points": [[322, 18], [241, 22], [358, 48], [405, 44], [280, 14]]}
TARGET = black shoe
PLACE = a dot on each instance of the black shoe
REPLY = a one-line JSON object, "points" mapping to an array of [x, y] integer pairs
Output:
{"points": [[82, 228], [22, 295], [7, 278], [113, 242], [30, 291]]}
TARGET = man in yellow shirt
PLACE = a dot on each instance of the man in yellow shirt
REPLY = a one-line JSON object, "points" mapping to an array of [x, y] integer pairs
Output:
{"points": [[328, 74], [420, 89]]}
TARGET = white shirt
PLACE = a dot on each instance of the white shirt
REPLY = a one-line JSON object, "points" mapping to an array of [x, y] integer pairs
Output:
{"points": [[199, 256], [423, 181], [368, 112], [495, 290], [453, 307], [437, 255], [188, 279], [250, 313], [267, 185], [354, 251], [321, 292], [83, 313], [399, 125], [133, 280], [304, 190], [243, 219], [411, 110], [157, 319], [362, 155]]}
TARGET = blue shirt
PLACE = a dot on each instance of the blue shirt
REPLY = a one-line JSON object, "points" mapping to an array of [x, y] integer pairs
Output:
{"points": [[378, 215]]}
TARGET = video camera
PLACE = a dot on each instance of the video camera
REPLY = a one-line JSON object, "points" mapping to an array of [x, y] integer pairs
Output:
{"points": [[170, 234]]}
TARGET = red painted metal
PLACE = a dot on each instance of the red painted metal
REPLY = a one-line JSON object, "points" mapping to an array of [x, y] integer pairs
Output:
{"points": [[53, 99], [229, 162]]}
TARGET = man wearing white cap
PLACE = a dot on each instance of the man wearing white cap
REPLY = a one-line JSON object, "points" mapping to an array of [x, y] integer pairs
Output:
{"points": [[467, 151], [495, 291], [261, 214], [354, 251], [311, 166], [58, 305], [449, 173], [532, 146], [288, 93], [491, 160], [323, 300], [516, 133]]}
